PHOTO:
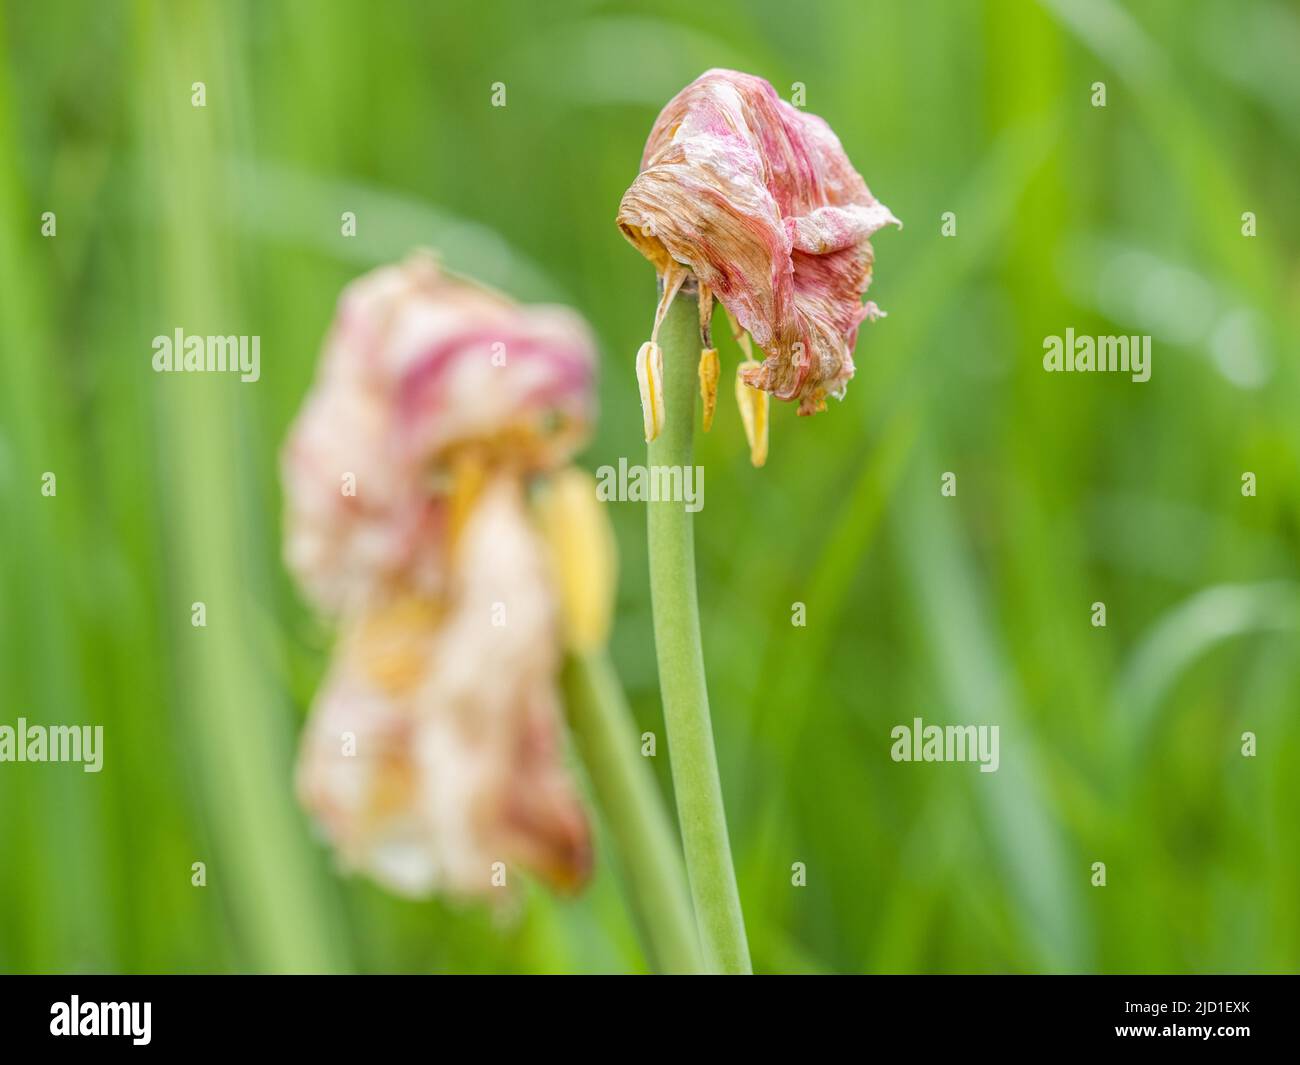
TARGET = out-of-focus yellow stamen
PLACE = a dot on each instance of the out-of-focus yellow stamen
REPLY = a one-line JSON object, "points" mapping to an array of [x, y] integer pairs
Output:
{"points": [[650, 379], [576, 527], [392, 788], [469, 474], [753, 412], [710, 371], [392, 642]]}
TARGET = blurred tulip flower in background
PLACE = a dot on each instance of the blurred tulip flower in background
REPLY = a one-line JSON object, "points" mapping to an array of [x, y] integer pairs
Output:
{"points": [[435, 748]]}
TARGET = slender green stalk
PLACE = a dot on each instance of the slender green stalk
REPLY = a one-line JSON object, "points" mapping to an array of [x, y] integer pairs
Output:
{"points": [[288, 915], [632, 808], [681, 660]]}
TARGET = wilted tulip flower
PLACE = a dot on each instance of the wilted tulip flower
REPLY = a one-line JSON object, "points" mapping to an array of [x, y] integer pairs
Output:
{"points": [[758, 201], [434, 751]]}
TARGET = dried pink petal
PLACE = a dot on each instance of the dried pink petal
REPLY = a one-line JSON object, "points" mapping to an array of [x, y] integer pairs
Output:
{"points": [[419, 369], [760, 201]]}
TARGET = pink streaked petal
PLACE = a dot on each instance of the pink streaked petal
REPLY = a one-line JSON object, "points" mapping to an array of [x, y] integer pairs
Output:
{"points": [[759, 199]]}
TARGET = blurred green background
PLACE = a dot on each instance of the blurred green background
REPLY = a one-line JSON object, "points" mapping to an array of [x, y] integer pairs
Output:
{"points": [[1119, 744]]}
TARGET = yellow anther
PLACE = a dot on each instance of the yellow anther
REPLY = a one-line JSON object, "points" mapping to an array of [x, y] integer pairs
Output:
{"points": [[650, 379], [753, 412], [710, 371]]}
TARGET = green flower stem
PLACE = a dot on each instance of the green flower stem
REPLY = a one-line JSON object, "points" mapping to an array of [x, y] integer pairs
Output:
{"points": [[681, 660], [633, 810]]}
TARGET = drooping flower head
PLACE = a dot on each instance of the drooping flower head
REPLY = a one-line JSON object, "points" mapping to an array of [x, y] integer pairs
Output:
{"points": [[434, 748], [758, 200]]}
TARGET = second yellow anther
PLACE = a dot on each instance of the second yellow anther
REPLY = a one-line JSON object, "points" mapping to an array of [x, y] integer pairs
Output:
{"points": [[710, 370], [753, 412]]}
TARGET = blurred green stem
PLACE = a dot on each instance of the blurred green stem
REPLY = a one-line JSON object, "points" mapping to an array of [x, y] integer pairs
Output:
{"points": [[632, 808], [681, 660]]}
